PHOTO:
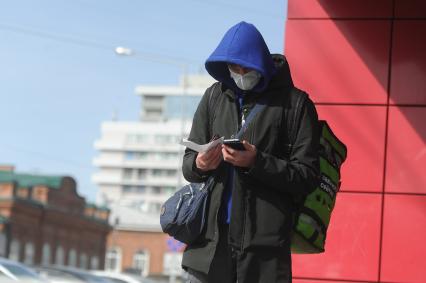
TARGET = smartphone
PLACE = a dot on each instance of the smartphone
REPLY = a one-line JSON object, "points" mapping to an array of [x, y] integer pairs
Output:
{"points": [[234, 143]]}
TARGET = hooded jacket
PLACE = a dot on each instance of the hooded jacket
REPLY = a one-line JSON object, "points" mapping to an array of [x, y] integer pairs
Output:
{"points": [[262, 196], [242, 45]]}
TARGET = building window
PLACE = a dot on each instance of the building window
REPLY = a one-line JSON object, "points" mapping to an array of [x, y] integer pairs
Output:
{"points": [[130, 138], [141, 262], [130, 155], [140, 189], [174, 106], [60, 255], [170, 155], [156, 190], [164, 173], [29, 253], [141, 173], [83, 261], [143, 155], [142, 138], [15, 247], [45, 255], [94, 262], [153, 113], [127, 174], [164, 139], [72, 258], [113, 260], [136, 138], [133, 189], [127, 189]]}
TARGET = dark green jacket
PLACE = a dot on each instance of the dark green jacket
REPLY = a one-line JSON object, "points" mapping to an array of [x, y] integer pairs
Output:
{"points": [[262, 196]]}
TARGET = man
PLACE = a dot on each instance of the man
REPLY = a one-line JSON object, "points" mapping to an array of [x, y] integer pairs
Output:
{"points": [[247, 236]]}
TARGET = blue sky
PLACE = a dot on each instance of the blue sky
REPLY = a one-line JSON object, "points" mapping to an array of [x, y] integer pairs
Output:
{"points": [[60, 79]]}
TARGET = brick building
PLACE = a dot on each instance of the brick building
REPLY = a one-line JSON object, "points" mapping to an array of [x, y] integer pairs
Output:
{"points": [[137, 244], [43, 220], [141, 251]]}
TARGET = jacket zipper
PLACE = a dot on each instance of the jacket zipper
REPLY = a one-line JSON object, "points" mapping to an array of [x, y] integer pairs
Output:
{"points": [[244, 196]]}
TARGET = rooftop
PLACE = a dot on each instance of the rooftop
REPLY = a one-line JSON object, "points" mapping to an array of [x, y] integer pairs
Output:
{"points": [[30, 180]]}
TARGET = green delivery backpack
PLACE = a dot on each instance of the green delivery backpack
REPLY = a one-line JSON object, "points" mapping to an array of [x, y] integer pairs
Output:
{"points": [[313, 212]]}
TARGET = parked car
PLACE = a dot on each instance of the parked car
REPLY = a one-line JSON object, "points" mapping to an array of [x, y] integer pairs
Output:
{"points": [[117, 277], [13, 271], [62, 274]]}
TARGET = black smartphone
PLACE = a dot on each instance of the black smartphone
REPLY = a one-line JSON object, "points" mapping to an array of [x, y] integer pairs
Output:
{"points": [[234, 143]]}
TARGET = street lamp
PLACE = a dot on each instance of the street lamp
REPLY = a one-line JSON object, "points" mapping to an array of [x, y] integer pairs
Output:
{"points": [[125, 51], [120, 50], [182, 65]]}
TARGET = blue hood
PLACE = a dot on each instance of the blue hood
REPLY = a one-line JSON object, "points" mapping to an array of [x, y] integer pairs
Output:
{"points": [[243, 45]]}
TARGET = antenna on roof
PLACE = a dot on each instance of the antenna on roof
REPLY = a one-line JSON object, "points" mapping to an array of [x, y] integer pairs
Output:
{"points": [[114, 115]]}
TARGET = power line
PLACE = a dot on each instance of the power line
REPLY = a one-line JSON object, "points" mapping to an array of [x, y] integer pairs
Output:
{"points": [[88, 43], [56, 37], [45, 156]]}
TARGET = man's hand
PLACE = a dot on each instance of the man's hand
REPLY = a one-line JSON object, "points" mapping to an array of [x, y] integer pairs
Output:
{"points": [[209, 160], [240, 158]]}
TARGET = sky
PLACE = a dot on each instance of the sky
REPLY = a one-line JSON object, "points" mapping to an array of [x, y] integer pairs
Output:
{"points": [[60, 78]]}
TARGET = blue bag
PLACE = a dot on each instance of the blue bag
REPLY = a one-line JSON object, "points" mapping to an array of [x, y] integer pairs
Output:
{"points": [[184, 214]]}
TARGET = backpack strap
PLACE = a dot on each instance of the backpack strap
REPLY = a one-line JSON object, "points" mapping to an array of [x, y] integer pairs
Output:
{"points": [[213, 98], [256, 109], [291, 114]]}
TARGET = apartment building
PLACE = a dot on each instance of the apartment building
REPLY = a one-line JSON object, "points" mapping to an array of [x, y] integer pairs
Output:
{"points": [[139, 167]]}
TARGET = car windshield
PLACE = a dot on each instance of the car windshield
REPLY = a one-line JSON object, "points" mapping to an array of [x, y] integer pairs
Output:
{"points": [[23, 274]]}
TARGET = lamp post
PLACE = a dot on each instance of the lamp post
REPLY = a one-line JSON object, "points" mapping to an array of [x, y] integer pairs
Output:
{"points": [[125, 51], [183, 66]]}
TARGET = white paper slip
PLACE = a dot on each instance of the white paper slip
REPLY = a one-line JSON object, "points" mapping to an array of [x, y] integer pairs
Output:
{"points": [[201, 147]]}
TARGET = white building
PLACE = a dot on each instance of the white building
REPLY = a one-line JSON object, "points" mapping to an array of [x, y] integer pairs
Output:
{"points": [[140, 162]]}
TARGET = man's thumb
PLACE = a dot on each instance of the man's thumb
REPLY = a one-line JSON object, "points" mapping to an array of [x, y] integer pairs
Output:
{"points": [[248, 146]]}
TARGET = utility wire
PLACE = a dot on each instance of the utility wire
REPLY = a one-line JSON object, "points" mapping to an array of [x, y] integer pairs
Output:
{"points": [[45, 156], [159, 58], [61, 38]]}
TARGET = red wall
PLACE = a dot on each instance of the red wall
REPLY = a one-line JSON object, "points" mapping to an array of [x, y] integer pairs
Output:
{"points": [[363, 62]]}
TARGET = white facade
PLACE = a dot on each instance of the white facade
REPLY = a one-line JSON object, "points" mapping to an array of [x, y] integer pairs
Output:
{"points": [[139, 163]]}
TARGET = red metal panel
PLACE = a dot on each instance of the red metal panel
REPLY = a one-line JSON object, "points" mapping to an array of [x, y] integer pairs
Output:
{"points": [[340, 61], [406, 152], [408, 84], [339, 9], [352, 248], [410, 9], [362, 129], [404, 234], [295, 280]]}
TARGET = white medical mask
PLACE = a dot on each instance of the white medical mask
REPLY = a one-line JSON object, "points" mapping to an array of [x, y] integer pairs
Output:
{"points": [[247, 81]]}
